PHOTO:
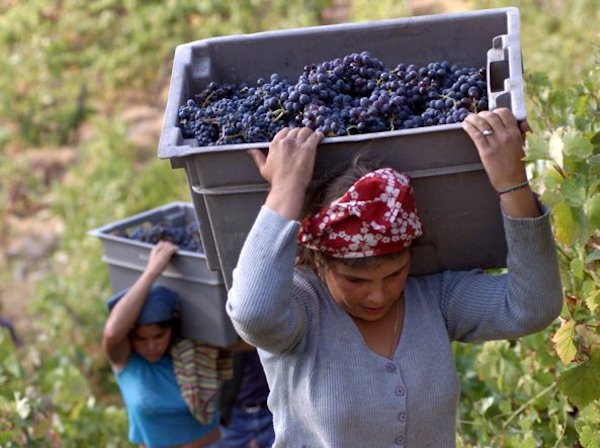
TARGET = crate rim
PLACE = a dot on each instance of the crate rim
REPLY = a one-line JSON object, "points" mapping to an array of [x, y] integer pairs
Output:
{"points": [[188, 149], [100, 232], [511, 10]]}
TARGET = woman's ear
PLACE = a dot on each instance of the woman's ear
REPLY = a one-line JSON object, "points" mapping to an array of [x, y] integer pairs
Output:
{"points": [[321, 266]]}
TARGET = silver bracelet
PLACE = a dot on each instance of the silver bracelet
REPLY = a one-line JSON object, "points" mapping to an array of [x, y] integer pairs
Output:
{"points": [[513, 188]]}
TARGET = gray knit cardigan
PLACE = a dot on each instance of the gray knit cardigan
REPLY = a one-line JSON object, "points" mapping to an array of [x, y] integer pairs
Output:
{"points": [[328, 389]]}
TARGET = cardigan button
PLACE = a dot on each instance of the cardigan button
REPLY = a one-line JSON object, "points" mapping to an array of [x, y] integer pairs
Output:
{"points": [[390, 367]]}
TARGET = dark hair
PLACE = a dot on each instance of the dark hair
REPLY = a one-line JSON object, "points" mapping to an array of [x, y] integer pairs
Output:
{"points": [[323, 192], [174, 324], [333, 184]]}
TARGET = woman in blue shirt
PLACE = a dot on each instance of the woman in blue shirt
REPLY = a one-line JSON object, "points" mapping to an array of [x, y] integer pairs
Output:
{"points": [[137, 336]]}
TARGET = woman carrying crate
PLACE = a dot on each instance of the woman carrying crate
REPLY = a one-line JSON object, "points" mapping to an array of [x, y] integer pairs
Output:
{"points": [[357, 353], [149, 361]]}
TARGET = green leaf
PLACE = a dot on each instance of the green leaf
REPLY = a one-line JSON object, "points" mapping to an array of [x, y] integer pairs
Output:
{"points": [[588, 287], [537, 148], [567, 230], [552, 178], [574, 191], [555, 149], [581, 106], [587, 426], [577, 269], [576, 145], [539, 79], [592, 210], [592, 256], [590, 413], [551, 198], [68, 385], [563, 341], [581, 384], [589, 438], [594, 160], [592, 300]]}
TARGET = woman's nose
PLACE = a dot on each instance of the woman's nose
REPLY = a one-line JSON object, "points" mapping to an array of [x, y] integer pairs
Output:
{"points": [[376, 295]]}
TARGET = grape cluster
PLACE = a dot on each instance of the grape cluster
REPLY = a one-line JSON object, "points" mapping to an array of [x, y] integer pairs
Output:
{"points": [[355, 94], [186, 236]]}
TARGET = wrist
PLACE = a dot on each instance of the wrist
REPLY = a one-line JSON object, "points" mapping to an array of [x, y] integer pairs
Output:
{"points": [[286, 201], [150, 275], [520, 203], [512, 188]]}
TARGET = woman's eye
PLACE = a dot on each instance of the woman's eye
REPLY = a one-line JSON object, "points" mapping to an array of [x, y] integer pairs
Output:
{"points": [[355, 280]]}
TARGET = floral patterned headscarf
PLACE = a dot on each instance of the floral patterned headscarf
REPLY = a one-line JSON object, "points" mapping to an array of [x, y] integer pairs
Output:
{"points": [[376, 216]]}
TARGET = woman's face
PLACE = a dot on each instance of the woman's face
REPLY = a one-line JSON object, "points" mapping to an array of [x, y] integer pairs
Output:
{"points": [[151, 341], [368, 292]]}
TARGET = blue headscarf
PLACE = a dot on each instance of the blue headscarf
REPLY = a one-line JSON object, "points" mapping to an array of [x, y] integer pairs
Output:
{"points": [[160, 305]]}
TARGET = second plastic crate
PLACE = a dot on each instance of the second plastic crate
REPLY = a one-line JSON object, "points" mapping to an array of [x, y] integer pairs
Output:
{"points": [[203, 293]]}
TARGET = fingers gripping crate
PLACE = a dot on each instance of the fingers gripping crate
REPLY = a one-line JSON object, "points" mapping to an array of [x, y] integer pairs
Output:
{"points": [[459, 209], [202, 291]]}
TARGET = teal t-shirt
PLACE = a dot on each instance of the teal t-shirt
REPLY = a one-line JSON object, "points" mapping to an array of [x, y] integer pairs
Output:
{"points": [[158, 415]]}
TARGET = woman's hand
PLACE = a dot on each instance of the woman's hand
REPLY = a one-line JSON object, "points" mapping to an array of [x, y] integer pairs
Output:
{"points": [[499, 139], [160, 255], [288, 167], [291, 157]]}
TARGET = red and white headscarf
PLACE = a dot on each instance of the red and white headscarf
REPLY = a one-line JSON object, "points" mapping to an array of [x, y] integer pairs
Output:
{"points": [[376, 216]]}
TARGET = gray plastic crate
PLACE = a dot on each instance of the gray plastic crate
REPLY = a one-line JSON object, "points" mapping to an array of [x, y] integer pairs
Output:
{"points": [[459, 209], [202, 291]]}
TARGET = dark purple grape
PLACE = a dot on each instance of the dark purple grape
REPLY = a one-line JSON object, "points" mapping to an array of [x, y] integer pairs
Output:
{"points": [[185, 235], [352, 94]]}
